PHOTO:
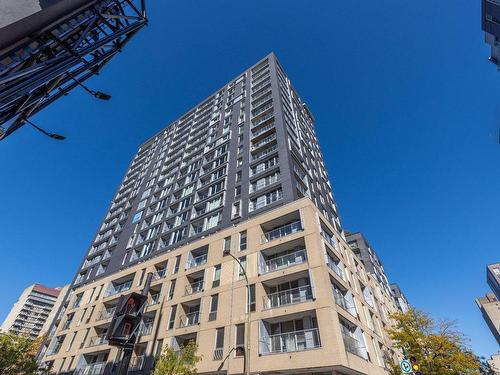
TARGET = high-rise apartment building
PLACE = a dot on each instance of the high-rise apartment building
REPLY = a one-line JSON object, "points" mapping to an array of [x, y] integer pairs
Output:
{"points": [[400, 298], [34, 311], [240, 176]]}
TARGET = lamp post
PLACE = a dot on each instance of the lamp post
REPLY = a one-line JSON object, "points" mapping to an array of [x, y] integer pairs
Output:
{"points": [[247, 336], [50, 135]]}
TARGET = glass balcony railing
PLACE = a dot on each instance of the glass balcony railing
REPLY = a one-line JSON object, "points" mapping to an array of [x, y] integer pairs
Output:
{"points": [[194, 288], [343, 302], [189, 319], [292, 341], [137, 363], [197, 261], [118, 288], [282, 231], [288, 297], [353, 345], [160, 274], [106, 313], [98, 340], [284, 261], [92, 369], [336, 268], [146, 329]]}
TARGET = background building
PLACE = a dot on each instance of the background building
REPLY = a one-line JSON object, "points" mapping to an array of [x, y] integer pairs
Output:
{"points": [[33, 313], [493, 278], [240, 176], [490, 23], [401, 300], [490, 308]]}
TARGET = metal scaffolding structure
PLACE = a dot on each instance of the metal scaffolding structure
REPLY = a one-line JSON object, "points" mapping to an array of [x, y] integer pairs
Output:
{"points": [[47, 54]]}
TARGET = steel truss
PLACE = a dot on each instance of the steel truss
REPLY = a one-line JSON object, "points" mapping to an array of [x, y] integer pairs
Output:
{"points": [[50, 62]]}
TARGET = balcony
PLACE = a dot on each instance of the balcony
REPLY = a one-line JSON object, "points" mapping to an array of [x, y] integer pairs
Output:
{"points": [[263, 153], [288, 297], [115, 289], [336, 266], [189, 319], [282, 231], [159, 274], [137, 363], [283, 261], [146, 328], [292, 341], [352, 344], [344, 300], [98, 340], [92, 369], [196, 261], [106, 313], [194, 287]]}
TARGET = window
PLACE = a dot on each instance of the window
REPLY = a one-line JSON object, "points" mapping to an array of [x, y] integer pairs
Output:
{"points": [[227, 245], [236, 212], [216, 281], [171, 290], [78, 300], [219, 340], [238, 176], [243, 240], [242, 267], [141, 205], [213, 307], [171, 319], [177, 263], [240, 340], [137, 217], [237, 191], [251, 298]]}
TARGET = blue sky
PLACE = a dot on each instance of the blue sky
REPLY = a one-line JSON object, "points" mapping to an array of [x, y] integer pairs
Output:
{"points": [[406, 113]]}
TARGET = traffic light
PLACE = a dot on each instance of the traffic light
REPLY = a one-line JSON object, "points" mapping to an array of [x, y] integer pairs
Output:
{"points": [[414, 365], [126, 320]]}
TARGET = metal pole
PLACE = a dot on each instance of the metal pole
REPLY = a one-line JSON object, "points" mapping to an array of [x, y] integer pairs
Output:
{"points": [[247, 336], [125, 362]]}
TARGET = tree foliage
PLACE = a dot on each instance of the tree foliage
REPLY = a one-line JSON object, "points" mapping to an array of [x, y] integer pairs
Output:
{"points": [[438, 346], [181, 362], [18, 354]]}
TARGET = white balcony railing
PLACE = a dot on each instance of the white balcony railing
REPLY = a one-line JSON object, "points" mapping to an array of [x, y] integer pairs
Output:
{"points": [[292, 341]]}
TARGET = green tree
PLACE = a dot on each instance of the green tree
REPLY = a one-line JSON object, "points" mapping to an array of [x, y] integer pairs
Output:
{"points": [[438, 346], [18, 355], [181, 362]]}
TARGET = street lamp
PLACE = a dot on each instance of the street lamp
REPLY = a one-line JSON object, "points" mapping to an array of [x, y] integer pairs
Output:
{"points": [[50, 135], [247, 336], [96, 94]]}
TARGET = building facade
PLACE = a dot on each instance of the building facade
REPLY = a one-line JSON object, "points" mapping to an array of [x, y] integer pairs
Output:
{"points": [[34, 311], [240, 176]]}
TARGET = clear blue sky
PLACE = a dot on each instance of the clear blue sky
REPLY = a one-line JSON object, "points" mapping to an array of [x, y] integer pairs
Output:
{"points": [[407, 111]]}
